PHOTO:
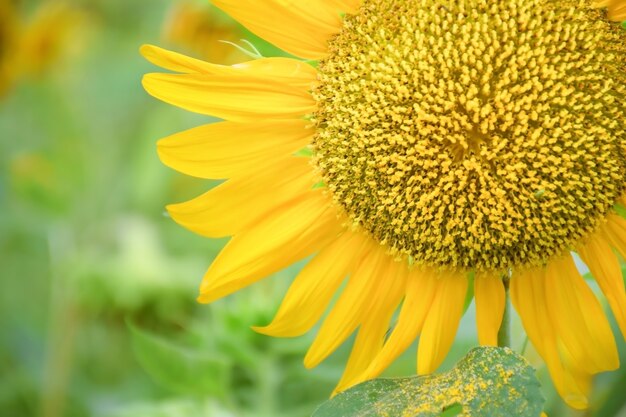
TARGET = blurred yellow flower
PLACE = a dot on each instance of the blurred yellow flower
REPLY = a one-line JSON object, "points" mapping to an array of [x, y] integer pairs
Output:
{"points": [[8, 29], [429, 143], [201, 29], [28, 47], [47, 35]]}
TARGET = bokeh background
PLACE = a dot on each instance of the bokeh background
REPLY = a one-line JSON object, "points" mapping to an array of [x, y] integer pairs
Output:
{"points": [[97, 299]]}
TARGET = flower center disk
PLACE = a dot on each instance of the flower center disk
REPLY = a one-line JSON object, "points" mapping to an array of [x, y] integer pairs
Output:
{"points": [[474, 134]]}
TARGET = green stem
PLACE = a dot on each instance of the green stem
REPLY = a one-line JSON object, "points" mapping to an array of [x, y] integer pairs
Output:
{"points": [[504, 333], [64, 325]]}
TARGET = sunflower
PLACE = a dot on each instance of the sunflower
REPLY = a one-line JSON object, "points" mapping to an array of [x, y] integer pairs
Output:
{"points": [[30, 46], [48, 35], [203, 29], [8, 29], [416, 145]]}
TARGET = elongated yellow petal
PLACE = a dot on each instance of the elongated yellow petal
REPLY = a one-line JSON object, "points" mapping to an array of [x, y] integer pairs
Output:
{"points": [[296, 73], [176, 62], [240, 97], [490, 299], [230, 149], [604, 266], [441, 322], [578, 318], [290, 233], [368, 344], [578, 377], [529, 298], [618, 13], [371, 336], [421, 287], [615, 231], [300, 27], [617, 8], [348, 6], [313, 288], [364, 284], [225, 210]]}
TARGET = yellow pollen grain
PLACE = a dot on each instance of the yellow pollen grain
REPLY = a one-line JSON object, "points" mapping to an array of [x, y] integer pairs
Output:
{"points": [[474, 134]]}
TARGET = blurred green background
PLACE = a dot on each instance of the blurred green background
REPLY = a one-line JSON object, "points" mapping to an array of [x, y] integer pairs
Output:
{"points": [[97, 305]]}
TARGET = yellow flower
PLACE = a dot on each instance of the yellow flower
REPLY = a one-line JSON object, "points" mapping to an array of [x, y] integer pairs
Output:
{"points": [[46, 36], [8, 29], [31, 47], [200, 29], [475, 136]]}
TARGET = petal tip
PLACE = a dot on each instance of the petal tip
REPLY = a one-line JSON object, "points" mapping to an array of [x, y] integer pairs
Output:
{"points": [[202, 299], [147, 82], [274, 331], [264, 330], [145, 49], [577, 401], [258, 329], [311, 361]]}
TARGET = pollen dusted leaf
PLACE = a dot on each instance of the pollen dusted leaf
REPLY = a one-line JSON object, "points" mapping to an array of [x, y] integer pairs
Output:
{"points": [[488, 382]]}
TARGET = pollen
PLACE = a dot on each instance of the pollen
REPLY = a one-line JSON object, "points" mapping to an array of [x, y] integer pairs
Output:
{"points": [[474, 134]]}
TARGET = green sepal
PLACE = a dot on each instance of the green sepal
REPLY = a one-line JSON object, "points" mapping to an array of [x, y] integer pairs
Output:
{"points": [[620, 210]]}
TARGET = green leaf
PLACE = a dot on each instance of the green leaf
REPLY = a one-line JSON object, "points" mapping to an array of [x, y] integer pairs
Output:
{"points": [[178, 368], [488, 382]]}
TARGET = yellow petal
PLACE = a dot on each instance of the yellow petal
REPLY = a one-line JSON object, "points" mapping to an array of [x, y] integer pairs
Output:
{"points": [[290, 233], [578, 318], [365, 284], [617, 8], [348, 6], [604, 266], [618, 13], [230, 207], [371, 335], [300, 27], [442, 322], [529, 298], [490, 299], [578, 377], [229, 149], [176, 62], [296, 73], [241, 97], [615, 231], [421, 287], [368, 344], [313, 288]]}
